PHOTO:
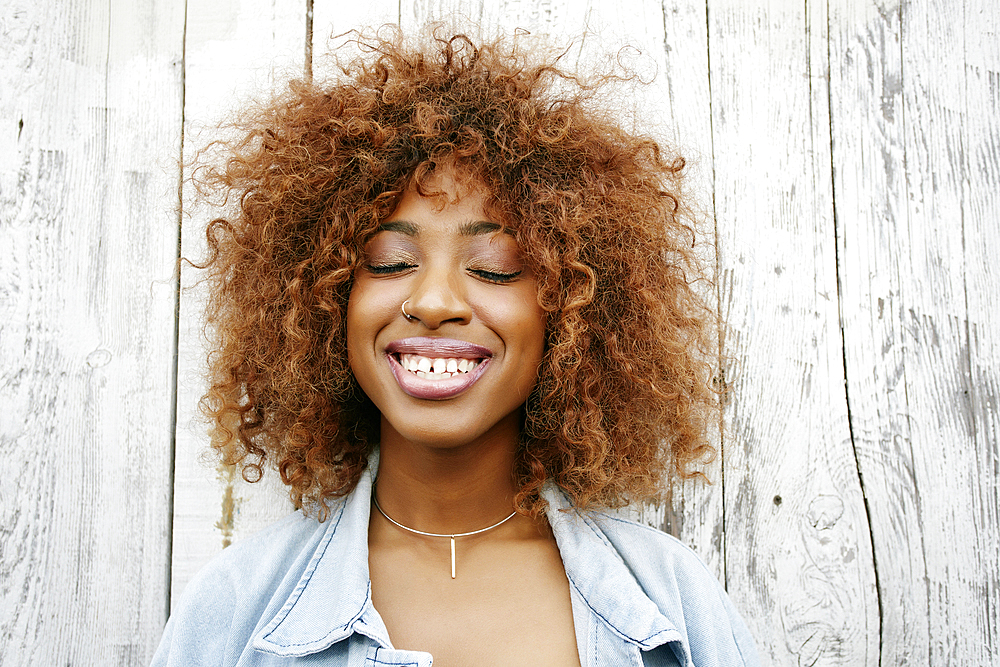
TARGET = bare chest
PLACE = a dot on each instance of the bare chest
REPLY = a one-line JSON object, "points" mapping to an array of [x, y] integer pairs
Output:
{"points": [[508, 605]]}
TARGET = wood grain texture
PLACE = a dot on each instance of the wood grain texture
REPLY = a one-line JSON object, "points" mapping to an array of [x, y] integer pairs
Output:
{"points": [[90, 110], [696, 513], [981, 228], [875, 278], [798, 556], [236, 52], [950, 145]]}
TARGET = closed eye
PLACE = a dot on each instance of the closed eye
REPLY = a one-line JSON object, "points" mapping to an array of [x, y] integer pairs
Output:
{"points": [[494, 276], [388, 269]]}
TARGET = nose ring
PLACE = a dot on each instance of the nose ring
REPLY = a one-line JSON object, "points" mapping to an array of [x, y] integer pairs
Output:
{"points": [[402, 307]]}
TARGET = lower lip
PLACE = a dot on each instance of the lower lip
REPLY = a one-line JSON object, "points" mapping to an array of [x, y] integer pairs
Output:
{"points": [[435, 390]]}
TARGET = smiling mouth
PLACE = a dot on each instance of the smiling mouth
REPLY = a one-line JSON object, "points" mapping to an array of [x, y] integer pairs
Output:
{"points": [[436, 368]]}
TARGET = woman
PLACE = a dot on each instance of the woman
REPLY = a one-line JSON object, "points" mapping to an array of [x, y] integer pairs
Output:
{"points": [[453, 308]]}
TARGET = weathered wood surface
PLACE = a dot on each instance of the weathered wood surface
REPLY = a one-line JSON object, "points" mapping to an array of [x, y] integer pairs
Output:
{"points": [[847, 153], [797, 542], [90, 116], [869, 180], [234, 53]]}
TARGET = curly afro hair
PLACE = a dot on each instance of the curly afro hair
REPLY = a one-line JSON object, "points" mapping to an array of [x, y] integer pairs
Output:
{"points": [[623, 396]]}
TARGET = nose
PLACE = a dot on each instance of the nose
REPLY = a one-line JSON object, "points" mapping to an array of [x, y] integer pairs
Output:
{"points": [[439, 297]]}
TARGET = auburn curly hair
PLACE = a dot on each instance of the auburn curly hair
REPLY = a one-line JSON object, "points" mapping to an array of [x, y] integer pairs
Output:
{"points": [[623, 394]]}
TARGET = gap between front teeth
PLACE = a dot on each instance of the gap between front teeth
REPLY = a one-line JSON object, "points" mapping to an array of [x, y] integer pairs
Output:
{"points": [[436, 369]]}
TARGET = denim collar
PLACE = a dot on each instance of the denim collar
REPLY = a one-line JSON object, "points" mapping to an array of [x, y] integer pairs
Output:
{"points": [[332, 599]]}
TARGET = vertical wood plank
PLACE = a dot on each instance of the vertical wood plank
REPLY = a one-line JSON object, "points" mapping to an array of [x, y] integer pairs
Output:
{"points": [[798, 556], [90, 98], [876, 296], [981, 218], [696, 514], [235, 52], [950, 61]]}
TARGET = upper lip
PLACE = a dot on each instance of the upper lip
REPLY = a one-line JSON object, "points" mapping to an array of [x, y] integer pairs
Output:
{"points": [[438, 348]]}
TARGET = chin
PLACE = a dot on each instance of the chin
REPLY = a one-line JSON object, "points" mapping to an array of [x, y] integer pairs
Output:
{"points": [[452, 433], [432, 438]]}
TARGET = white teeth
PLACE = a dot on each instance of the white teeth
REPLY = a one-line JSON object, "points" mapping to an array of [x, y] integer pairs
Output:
{"points": [[436, 369]]}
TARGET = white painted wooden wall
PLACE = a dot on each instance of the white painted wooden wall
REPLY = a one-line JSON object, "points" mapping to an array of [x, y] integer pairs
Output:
{"points": [[848, 150]]}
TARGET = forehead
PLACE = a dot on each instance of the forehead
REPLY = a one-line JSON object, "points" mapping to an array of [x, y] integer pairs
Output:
{"points": [[442, 196], [444, 199]]}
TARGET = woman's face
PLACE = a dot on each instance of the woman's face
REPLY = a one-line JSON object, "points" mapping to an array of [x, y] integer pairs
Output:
{"points": [[462, 366]]}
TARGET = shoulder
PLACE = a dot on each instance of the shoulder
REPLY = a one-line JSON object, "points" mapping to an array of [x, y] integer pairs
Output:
{"points": [[223, 605], [650, 548], [268, 551], [648, 587], [683, 588]]}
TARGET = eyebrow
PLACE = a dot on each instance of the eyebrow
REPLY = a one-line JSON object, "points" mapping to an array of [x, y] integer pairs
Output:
{"points": [[478, 227], [401, 226], [408, 228]]}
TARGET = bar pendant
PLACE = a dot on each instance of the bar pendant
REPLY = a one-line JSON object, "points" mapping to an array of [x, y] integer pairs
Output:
{"points": [[452, 556]]}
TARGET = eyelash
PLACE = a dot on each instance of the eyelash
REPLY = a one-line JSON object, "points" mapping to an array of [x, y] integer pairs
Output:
{"points": [[496, 277], [389, 269]]}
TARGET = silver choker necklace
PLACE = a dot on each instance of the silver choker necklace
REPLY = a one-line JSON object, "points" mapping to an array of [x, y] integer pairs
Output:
{"points": [[452, 536]]}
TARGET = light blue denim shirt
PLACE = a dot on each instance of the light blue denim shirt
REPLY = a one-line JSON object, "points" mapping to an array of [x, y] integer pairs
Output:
{"points": [[298, 593]]}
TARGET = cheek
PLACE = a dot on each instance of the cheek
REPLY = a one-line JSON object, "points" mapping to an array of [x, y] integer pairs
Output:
{"points": [[369, 311], [529, 320], [534, 318], [354, 329]]}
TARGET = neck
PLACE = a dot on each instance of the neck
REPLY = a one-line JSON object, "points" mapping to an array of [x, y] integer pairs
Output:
{"points": [[446, 490]]}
